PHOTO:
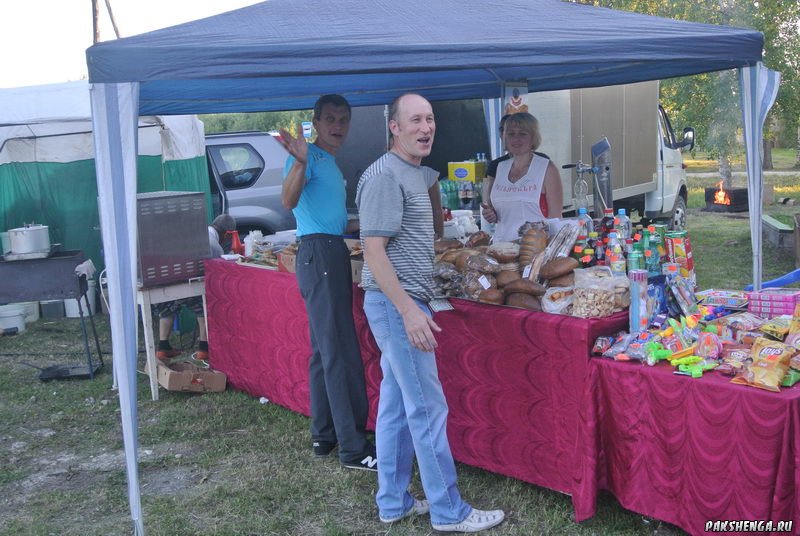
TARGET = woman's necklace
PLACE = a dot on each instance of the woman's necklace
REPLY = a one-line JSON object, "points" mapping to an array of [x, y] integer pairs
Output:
{"points": [[518, 169]]}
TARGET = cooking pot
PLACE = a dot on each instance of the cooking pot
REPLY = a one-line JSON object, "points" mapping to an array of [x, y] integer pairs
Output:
{"points": [[30, 239]]}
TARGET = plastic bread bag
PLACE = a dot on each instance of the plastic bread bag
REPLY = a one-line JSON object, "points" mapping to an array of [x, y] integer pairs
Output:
{"points": [[594, 292], [558, 300], [770, 365], [622, 292], [445, 270]]}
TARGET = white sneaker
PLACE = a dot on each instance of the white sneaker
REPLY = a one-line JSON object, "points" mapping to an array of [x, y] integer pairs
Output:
{"points": [[476, 521], [417, 509]]}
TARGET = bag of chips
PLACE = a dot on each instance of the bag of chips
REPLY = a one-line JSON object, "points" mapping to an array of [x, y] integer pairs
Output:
{"points": [[769, 367], [793, 338], [777, 328], [734, 358]]}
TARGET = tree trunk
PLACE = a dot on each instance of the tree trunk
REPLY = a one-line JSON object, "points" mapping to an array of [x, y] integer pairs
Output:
{"points": [[767, 163], [797, 162], [725, 170]]}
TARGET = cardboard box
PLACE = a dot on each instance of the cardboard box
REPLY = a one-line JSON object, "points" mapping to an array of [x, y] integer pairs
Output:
{"points": [[466, 171], [190, 378], [286, 262]]}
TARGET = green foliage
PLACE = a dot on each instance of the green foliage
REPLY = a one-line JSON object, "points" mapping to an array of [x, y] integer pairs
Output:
{"points": [[709, 101], [263, 121]]}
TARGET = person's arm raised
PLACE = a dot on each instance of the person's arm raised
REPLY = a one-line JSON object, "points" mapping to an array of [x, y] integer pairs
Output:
{"points": [[296, 178]]}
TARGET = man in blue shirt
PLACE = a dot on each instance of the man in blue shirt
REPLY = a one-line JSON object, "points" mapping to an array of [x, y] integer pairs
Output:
{"points": [[314, 189]]}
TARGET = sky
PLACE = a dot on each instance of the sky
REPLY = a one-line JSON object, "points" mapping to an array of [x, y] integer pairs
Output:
{"points": [[45, 41]]}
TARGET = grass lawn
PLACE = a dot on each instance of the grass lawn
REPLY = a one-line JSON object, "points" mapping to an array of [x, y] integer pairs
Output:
{"points": [[224, 464], [782, 159]]}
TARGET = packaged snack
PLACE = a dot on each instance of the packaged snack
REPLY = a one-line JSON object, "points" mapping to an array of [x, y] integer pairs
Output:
{"points": [[656, 297], [791, 378], [795, 362], [793, 338], [708, 345], [683, 291], [620, 345], [594, 293], [777, 328], [734, 358], [769, 367], [733, 327], [602, 344]]}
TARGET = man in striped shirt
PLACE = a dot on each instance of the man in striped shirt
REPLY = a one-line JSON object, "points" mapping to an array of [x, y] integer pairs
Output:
{"points": [[398, 231]]}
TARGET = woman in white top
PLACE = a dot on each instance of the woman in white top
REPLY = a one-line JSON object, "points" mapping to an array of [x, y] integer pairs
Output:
{"points": [[527, 186]]}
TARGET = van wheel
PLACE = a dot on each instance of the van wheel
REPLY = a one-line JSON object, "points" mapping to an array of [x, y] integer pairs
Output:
{"points": [[678, 220]]}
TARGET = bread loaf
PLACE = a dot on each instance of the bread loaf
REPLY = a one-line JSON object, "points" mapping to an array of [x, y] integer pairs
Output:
{"points": [[450, 255], [505, 277], [566, 280], [525, 301], [557, 267], [440, 246], [492, 295], [483, 263], [481, 238], [504, 251], [525, 286]]}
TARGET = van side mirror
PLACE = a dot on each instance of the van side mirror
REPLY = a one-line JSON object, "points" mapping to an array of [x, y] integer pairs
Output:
{"points": [[688, 139]]}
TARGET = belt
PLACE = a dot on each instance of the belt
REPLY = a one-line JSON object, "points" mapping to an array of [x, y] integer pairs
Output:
{"points": [[319, 236]]}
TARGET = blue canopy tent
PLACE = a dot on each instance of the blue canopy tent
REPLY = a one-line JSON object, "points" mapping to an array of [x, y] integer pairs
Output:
{"points": [[282, 54]]}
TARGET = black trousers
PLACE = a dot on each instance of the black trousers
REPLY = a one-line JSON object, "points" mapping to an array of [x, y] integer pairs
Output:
{"points": [[339, 404]]}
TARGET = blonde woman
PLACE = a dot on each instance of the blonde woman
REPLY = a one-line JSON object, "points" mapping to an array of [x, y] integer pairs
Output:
{"points": [[527, 186]]}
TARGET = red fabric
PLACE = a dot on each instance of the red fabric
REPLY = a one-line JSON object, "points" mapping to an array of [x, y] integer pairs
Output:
{"points": [[688, 450], [513, 379]]}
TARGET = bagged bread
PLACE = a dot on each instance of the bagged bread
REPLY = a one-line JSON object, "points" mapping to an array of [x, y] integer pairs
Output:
{"points": [[483, 263], [557, 300], [594, 294]]}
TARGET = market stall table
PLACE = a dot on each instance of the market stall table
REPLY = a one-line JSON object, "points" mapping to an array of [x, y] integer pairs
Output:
{"points": [[513, 378], [688, 451]]}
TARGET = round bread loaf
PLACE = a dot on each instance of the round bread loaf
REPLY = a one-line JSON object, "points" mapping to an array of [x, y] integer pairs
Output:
{"points": [[566, 280], [525, 286], [525, 301], [481, 238], [440, 246], [557, 267], [504, 251], [536, 239], [505, 277], [492, 295], [451, 255]]}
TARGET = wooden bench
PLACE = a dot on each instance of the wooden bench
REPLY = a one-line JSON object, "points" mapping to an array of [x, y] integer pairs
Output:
{"points": [[778, 234]]}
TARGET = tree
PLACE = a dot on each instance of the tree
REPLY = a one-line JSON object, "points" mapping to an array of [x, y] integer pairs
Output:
{"points": [[262, 121], [709, 101]]}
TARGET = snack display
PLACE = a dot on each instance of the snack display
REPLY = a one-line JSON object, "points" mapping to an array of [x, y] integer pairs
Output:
{"points": [[770, 365]]}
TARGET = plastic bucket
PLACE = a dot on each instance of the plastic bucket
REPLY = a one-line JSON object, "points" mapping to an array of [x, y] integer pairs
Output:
{"points": [[71, 304], [31, 311], [12, 316]]}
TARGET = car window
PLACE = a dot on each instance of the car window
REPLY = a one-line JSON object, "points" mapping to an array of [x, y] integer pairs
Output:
{"points": [[238, 165], [666, 129]]}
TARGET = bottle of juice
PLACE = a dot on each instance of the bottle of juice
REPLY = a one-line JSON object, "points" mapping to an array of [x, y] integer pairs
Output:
{"points": [[585, 221], [580, 245], [607, 223]]}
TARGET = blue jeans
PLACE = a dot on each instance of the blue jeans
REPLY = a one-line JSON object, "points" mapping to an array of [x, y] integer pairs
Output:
{"points": [[412, 418]]}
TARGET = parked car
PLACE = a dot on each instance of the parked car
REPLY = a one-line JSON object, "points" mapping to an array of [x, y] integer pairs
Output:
{"points": [[246, 174]]}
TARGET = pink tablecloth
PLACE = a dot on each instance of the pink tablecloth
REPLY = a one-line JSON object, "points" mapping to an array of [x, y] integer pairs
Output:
{"points": [[689, 450], [514, 380]]}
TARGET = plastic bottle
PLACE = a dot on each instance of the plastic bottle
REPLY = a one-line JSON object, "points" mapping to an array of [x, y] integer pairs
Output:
{"points": [[588, 258], [607, 223], [580, 245], [591, 240], [600, 251], [622, 224], [635, 261], [652, 261], [585, 221], [581, 190]]}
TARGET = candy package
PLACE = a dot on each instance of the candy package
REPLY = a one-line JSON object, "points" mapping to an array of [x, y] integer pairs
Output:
{"points": [[793, 338], [791, 378], [734, 358], [620, 345], [708, 345], [602, 344], [777, 328], [734, 327], [769, 367]]}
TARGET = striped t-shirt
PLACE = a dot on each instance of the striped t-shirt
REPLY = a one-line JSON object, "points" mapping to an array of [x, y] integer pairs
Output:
{"points": [[393, 201]]}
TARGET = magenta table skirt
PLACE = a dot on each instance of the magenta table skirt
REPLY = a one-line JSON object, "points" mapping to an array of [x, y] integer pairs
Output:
{"points": [[686, 450], [514, 380]]}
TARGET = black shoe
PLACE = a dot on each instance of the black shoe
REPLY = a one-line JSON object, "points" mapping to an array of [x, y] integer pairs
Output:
{"points": [[366, 462], [323, 449]]}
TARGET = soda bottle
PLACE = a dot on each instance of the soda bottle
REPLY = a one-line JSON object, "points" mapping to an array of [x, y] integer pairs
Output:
{"points": [[658, 244], [588, 259], [607, 223], [652, 262], [600, 251], [622, 224], [635, 261], [585, 221], [617, 261], [580, 245], [591, 241]]}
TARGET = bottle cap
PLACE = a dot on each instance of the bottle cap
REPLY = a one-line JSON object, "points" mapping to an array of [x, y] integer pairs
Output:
{"points": [[608, 211], [621, 212]]}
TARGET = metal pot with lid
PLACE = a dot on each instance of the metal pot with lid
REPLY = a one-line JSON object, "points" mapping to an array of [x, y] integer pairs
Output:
{"points": [[32, 238]]}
